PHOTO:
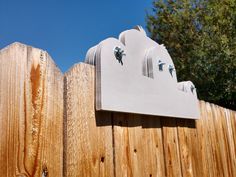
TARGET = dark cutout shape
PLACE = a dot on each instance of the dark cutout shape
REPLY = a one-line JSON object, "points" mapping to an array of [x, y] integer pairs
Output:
{"points": [[119, 53]]}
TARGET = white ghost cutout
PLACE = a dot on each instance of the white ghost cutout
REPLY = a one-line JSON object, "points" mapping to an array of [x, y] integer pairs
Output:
{"points": [[134, 74]]}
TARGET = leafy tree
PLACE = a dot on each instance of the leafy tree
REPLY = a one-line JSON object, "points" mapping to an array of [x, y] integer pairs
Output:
{"points": [[200, 35]]}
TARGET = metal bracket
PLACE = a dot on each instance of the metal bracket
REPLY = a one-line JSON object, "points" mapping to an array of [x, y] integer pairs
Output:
{"points": [[143, 81]]}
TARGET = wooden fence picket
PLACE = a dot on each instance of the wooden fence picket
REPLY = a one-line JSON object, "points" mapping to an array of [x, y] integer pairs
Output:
{"points": [[31, 113]]}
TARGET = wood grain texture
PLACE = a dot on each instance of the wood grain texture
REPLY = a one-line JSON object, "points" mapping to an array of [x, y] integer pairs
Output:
{"points": [[221, 141], [216, 140], [35, 99], [31, 113], [171, 147], [138, 145], [148, 145], [187, 141], [230, 135], [151, 127], [204, 143], [213, 144], [88, 134]]}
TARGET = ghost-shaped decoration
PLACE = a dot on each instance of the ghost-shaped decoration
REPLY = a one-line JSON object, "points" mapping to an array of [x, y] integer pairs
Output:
{"points": [[134, 74]]}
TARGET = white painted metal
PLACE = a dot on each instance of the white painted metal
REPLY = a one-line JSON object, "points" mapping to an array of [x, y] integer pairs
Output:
{"points": [[143, 82]]}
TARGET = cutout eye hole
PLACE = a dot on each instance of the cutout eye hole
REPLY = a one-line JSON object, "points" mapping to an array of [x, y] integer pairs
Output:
{"points": [[171, 70], [161, 65], [192, 88], [119, 53]]}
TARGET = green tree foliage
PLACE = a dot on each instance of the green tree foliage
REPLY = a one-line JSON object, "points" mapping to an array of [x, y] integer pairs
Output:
{"points": [[200, 35]]}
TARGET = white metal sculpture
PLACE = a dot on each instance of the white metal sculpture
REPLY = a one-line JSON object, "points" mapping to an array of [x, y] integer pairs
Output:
{"points": [[136, 75]]}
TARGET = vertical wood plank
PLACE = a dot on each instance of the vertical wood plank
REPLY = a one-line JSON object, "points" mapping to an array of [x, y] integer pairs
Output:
{"points": [[138, 146], [31, 113], [208, 134], [151, 127], [230, 148], [122, 160], [88, 135], [222, 140], [230, 116], [203, 136], [127, 145], [185, 149], [195, 149], [214, 144], [188, 144], [171, 147]]}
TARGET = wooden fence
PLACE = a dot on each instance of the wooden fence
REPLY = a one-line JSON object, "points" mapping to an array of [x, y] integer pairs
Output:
{"points": [[49, 127]]}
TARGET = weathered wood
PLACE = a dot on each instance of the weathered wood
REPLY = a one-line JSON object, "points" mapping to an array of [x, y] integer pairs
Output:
{"points": [[88, 134], [230, 135], [171, 147], [187, 141], [98, 143], [148, 145], [205, 155], [31, 113], [219, 122], [127, 143], [213, 146], [138, 145], [151, 127]]}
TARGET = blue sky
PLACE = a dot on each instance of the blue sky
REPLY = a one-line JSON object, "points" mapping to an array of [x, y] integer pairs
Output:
{"points": [[67, 29]]}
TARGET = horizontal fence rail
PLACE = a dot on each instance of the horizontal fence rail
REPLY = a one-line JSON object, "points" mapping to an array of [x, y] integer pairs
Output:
{"points": [[49, 127]]}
